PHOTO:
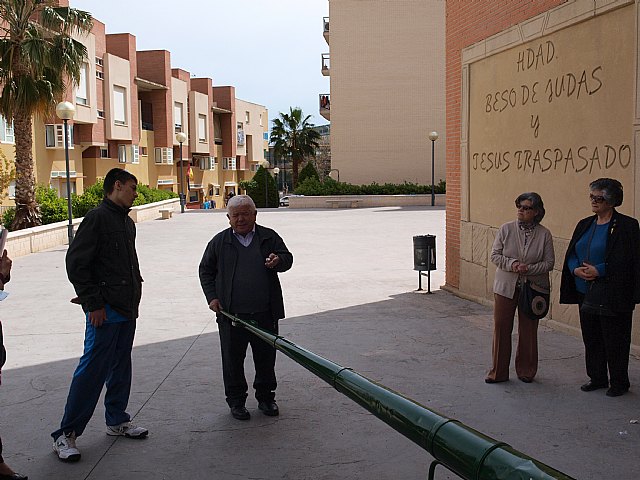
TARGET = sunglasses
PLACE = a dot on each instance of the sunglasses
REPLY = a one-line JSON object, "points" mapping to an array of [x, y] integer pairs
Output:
{"points": [[596, 198], [526, 208]]}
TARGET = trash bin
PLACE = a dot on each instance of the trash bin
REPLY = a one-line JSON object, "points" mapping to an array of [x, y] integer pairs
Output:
{"points": [[424, 252]]}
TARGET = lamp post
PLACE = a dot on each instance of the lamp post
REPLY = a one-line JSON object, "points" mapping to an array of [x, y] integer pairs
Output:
{"points": [[433, 136], [276, 171], [65, 111], [265, 164], [337, 171], [181, 138]]}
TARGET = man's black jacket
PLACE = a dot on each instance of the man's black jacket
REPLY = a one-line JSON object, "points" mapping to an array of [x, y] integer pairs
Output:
{"points": [[218, 267], [102, 263]]}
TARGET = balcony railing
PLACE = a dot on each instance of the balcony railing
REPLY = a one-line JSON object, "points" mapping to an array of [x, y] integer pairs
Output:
{"points": [[325, 64], [325, 105], [325, 28]]}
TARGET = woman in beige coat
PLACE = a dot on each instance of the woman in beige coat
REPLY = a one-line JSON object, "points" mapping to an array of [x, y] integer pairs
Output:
{"points": [[522, 250]]}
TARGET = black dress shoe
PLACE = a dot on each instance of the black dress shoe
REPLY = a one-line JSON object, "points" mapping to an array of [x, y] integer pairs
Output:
{"points": [[269, 408], [240, 412], [616, 391], [14, 476], [590, 386]]}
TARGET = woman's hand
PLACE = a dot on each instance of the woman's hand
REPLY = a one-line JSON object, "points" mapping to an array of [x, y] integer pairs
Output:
{"points": [[586, 272], [522, 268]]}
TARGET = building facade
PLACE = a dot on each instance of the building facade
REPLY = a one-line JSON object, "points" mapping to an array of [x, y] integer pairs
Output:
{"points": [[386, 64], [130, 105], [541, 96]]}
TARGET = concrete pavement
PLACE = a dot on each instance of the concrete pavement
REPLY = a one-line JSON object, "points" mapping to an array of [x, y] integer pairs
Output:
{"points": [[349, 297]]}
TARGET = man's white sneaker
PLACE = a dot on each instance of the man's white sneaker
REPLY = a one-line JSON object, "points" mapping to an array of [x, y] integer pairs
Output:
{"points": [[127, 429], [65, 447]]}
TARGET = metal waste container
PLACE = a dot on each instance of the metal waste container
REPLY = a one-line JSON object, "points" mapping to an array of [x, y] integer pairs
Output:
{"points": [[424, 252]]}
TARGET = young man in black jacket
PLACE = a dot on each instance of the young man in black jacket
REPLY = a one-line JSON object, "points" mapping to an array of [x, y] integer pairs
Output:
{"points": [[102, 265], [239, 274]]}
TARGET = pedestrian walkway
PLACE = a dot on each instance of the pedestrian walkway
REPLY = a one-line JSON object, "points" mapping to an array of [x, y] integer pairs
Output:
{"points": [[349, 297]]}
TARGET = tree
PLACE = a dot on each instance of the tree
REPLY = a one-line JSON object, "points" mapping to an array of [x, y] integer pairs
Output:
{"points": [[258, 191], [293, 136], [38, 56], [308, 171]]}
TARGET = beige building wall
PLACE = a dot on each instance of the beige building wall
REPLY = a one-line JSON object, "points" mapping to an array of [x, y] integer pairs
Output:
{"points": [[199, 111], [117, 76], [255, 121], [387, 72], [179, 93], [548, 105], [88, 113]]}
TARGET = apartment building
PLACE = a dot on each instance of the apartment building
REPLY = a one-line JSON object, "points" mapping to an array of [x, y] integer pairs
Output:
{"points": [[130, 105], [386, 64]]}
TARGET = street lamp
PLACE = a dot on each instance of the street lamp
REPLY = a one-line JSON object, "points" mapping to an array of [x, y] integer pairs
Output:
{"points": [[337, 171], [65, 111], [265, 165], [433, 136], [181, 138], [276, 171]]}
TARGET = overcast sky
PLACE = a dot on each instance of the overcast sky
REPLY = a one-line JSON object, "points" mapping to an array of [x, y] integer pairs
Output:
{"points": [[268, 49]]}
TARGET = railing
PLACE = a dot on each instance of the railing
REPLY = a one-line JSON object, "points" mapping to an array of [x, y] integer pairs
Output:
{"points": [[467, 453], [325, 101], [325, 63]]}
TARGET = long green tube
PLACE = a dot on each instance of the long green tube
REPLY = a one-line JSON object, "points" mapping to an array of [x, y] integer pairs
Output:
{"points": [[463, 450]]}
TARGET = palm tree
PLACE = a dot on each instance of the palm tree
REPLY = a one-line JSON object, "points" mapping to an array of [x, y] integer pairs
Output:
{"points": [[293, 136], [37, 58]]}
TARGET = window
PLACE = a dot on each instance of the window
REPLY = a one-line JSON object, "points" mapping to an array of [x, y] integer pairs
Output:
{"points": [[240, 135], [143, 151], [247, 117], [128, 154], [104, 152], [217, 190], [99, 62], [228, 163], [54, 136], [261, 120], [163, 155], [100, 75], [119, 105], [265, 136], [207, 163], [6, 131], [202, 128], [100, 113], [82, 97], [12, 189], [177, 116]]}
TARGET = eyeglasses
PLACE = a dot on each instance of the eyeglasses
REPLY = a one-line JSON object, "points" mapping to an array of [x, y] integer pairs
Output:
{"points": [[596, 198], [526, 208]]}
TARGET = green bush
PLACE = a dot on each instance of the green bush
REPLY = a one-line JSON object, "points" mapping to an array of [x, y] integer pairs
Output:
{"points": [[54, 209], [257, 191], [312, 186], [308, 171]]}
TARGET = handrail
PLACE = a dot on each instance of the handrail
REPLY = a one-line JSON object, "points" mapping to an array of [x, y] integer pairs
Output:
{"points": [[461, 449]]}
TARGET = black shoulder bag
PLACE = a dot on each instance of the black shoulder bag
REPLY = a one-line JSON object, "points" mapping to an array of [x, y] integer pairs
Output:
{"points": [[534, 300]]}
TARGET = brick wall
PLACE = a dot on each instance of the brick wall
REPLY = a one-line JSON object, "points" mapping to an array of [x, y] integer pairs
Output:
{"points": [[469, 22]]}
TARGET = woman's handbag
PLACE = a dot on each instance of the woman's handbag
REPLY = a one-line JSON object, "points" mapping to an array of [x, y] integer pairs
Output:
{"points": [[595, 300], [533, 300]]}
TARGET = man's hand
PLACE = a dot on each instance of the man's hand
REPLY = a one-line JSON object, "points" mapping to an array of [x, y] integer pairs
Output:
{"points": [[272, 260], [215, 305], [97, 317], [586, 272]]}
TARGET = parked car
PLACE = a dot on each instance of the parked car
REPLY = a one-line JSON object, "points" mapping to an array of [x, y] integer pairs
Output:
{"points": [[284, 201]]}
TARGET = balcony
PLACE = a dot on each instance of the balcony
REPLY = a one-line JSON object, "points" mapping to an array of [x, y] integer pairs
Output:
{"points": [[325, 64], [325, 105], [325, 29]]}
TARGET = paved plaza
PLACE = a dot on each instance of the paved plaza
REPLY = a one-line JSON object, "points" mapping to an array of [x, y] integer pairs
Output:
{"points": [[350, 298]]}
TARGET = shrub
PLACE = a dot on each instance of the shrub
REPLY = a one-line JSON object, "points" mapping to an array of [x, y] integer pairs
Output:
{"points": [[256, 189], [308, 171], [312, 186]]}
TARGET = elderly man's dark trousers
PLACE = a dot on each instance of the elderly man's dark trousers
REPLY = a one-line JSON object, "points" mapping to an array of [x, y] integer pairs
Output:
{"points": [[233, 344]]}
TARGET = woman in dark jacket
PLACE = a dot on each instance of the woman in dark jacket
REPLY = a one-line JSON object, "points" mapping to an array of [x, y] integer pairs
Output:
{"points": [[5, 268], [605, 248]]}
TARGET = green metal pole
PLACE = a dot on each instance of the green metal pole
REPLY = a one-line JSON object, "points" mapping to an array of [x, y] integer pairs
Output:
{"points": [[463, 450]]}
